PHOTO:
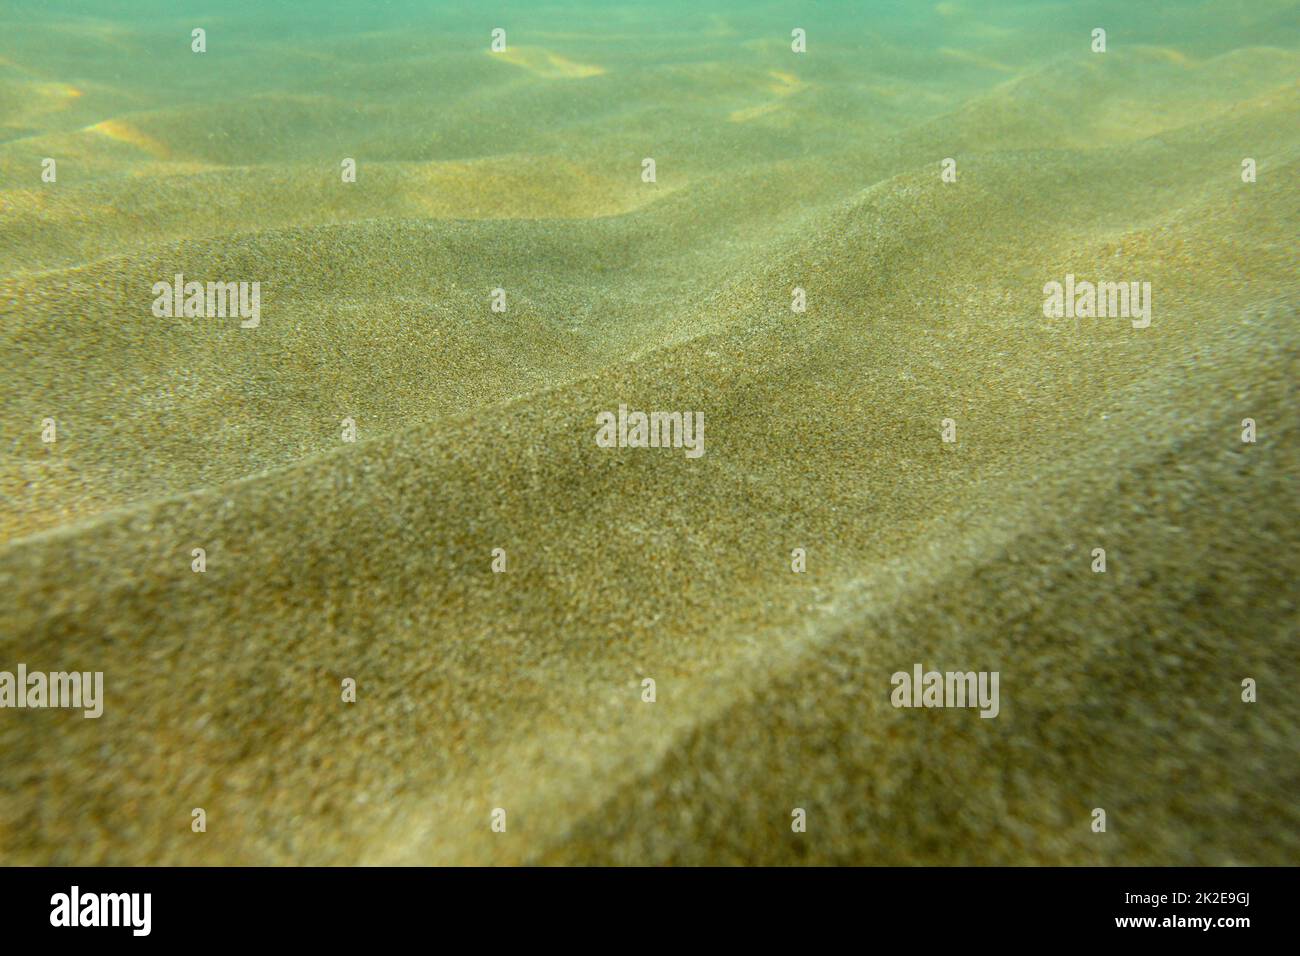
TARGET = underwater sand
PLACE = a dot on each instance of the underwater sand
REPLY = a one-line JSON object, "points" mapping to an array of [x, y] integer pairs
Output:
{"points": [[523, 690]]}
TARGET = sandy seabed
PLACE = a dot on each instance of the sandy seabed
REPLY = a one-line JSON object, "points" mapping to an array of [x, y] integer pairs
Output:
{"points": [[523, 690]]}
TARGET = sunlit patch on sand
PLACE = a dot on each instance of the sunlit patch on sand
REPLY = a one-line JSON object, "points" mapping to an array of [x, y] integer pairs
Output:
{"points": [[124, 132], [25, 100], [782, 85], [518, 188], [751, 113], [56, 96], [1168, 54], [544, 63]]}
